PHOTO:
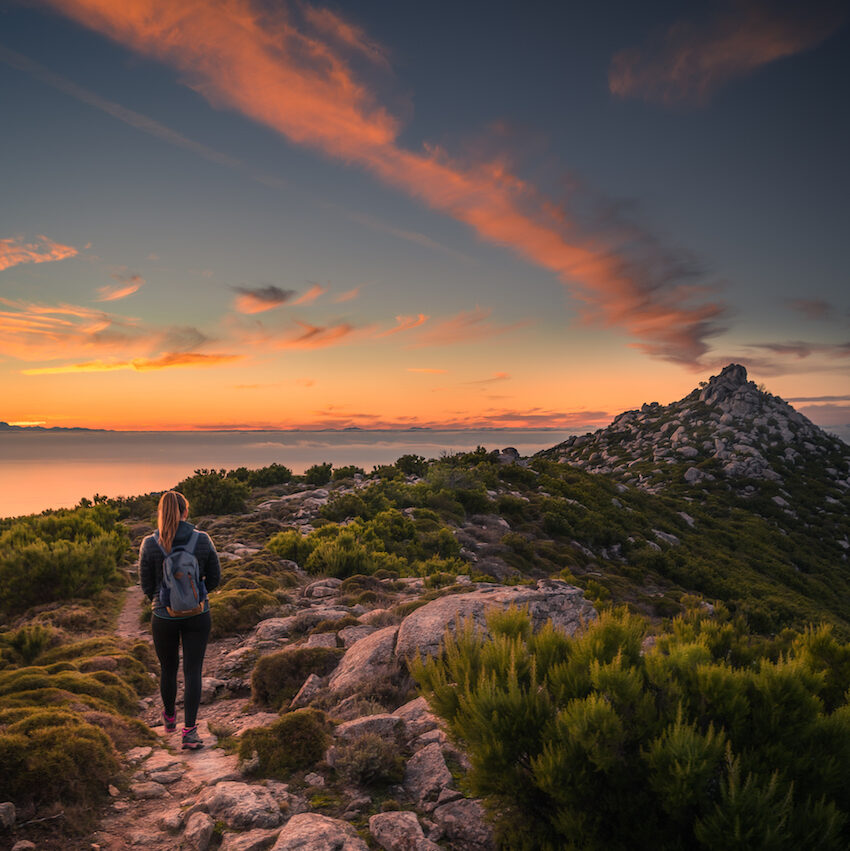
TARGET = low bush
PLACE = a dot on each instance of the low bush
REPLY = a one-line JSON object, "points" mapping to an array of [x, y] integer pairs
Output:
{"points": [[278, 676], [290, 544], [318, 474], [341, 557], [412, 465], [59, 556], [240, 610], [370, 760], [349, 472], [213, 492], [679, 746], [294, 743]]}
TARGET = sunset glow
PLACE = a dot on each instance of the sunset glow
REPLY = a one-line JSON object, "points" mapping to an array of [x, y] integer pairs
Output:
{"points": [[291, 216]]}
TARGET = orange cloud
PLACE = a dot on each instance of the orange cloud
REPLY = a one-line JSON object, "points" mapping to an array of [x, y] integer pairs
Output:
{"points": [[316, 336], [692, 59], [497, 376], [14, 251], [465, 327], [127, 286], [291, 76], [260, 299], [349, 295], [311, 295], [166, 361], [405, 323]]}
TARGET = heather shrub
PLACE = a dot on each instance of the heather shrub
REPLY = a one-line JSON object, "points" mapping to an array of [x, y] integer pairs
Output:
{"points": [[294, 743], [59, 556], [349, 472], [341, 557], [369, 760], [290, 544], [213, 492], [594, 742], [239, 610], [278, 676], [412, 465], [318, 474]]}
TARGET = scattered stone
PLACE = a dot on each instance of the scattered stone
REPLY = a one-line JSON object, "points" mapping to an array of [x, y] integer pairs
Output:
{"points": [[171, 821], [314, 832], [399, 831], [8, 814], [23, 845], [426, 775], [136, 755], [166, 776], [321, 639], [314, 779], [312, 686], [114, 792], [383, 725], [210, 686], [199, 831], [147, 789], [365, 661], [240, 805], [351, 634], [417, 717], [463, 823], [253, 840]]}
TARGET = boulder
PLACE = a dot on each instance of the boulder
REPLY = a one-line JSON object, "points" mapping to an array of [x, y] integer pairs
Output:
{"points": [[417, 717], [426, 775], [8, 814], [383, 725], [352, 634], [240, 805], [198, 833], [314, 832], [366, 660], [312, 686], [422, 631], [463, 824], [399, 831], [321, 639], [253, 840]]}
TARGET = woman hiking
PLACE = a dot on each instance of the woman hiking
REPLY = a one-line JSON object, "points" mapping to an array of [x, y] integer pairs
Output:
{"points": [[178, 565]]}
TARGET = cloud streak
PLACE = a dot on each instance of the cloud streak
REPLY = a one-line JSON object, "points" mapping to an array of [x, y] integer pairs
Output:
{"points": [[693, 58], [14, 251], [259, 299], [126, 287], [287, 73], [166, 361], [405, 323], [466, 327], [811, 308], [311, 295]]}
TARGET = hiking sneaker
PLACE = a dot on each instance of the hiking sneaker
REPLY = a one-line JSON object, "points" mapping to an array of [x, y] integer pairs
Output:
{"points": [[191, 740], [170, 722]]}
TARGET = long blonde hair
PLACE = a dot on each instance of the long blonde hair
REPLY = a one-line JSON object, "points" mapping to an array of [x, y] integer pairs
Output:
{"points": [[172, 505]]}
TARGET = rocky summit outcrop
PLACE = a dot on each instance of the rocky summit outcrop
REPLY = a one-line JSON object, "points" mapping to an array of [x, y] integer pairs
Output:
{"points": [[728, 429]]}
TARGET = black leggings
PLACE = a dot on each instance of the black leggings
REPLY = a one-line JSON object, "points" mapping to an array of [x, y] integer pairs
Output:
{"points": [[195, 632]]}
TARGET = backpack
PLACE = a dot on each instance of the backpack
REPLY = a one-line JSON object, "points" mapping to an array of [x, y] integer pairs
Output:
{"points": [[182, 591]]}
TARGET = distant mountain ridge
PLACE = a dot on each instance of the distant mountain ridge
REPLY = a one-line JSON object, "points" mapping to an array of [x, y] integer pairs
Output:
{"points": [[6, 427], [727, 429]]}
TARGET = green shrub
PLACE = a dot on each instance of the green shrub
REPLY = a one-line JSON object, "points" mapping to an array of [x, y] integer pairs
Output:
{"points": [[342, 557], [671, 748], [278, 676], [241, 610], [341, 506], [53, 756], [318, 474], [212, 492], [294, 743], [369, 760], [412, 465], [349, 472], [59, 556], [290, 544]]}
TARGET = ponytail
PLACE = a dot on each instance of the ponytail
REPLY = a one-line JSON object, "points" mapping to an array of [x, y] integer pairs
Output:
{"points": [[169, 514]]}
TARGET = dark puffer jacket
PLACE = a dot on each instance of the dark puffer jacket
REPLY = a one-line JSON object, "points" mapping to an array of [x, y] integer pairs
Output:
{"points": [[151, 559]]}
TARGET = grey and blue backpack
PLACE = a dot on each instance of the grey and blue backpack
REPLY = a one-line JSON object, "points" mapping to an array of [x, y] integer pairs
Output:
{"points": [[182, 590]]}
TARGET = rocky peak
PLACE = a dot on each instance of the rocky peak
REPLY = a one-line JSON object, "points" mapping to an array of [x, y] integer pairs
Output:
{"points": [[726, 429]]}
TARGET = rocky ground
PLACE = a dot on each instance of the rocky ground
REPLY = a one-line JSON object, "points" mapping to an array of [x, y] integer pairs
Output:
{"points": [[206, 799]]}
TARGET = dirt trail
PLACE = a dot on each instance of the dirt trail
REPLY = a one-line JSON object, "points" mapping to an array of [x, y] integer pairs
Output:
{"points": [[129, 625]]}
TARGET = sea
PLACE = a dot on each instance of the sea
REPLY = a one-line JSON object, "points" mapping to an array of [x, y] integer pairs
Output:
{"points": [[42, 470]]}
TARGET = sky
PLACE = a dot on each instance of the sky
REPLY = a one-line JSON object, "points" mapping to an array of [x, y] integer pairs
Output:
{"points": [[250, 214]]}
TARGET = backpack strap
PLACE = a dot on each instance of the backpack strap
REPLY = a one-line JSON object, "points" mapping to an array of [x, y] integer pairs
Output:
{"points": [[193, 541], [155, 536]]}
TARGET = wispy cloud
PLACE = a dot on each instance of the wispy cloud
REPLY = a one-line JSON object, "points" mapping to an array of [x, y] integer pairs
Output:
{"points": [[800, 349], [259, 299], [693, 58], [466, 327], [126, 286], [311, 295], [405, 323], [165, 361], [811, 308], [496, 377], [283, 70], [15, 251], [821, 399], [349, 295]]}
